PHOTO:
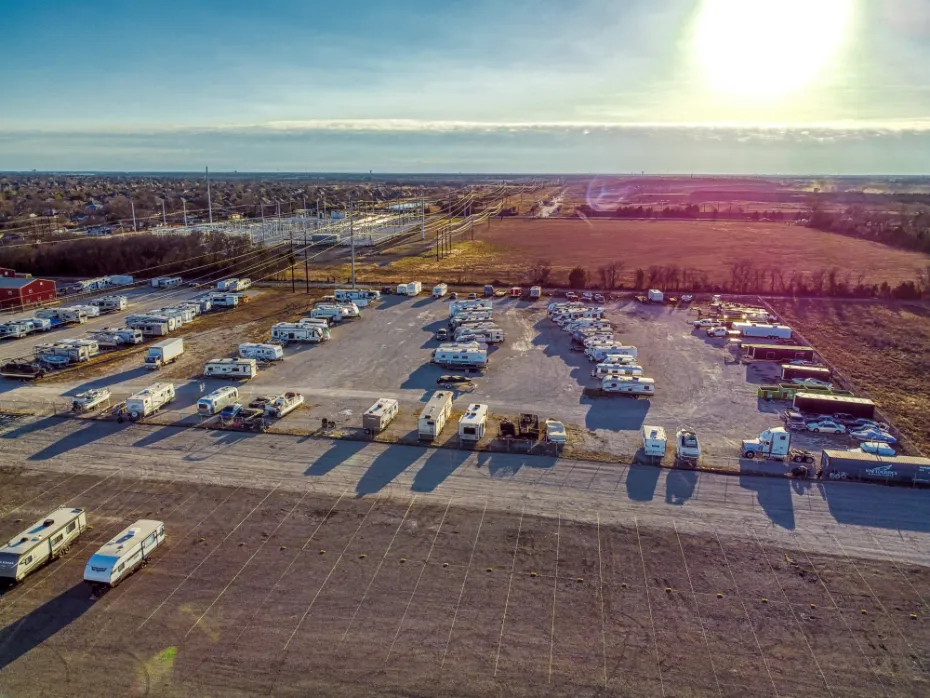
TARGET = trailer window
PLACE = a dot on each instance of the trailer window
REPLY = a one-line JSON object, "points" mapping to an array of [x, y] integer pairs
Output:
{"points": [[71, 526], [57, 539], [121, 566], [27, 560]]}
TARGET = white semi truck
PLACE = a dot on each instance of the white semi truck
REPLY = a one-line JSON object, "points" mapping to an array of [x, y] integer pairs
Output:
{"points": [[774, 444]]}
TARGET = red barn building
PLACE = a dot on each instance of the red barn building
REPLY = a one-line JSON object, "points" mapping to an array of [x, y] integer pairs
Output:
{"points": [[18, 292], [8, 273]]}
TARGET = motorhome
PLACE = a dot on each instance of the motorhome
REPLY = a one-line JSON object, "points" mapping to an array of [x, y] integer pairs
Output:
{"points": [[34, 324], [472, 355], [125, 553], [283, 405], [296, 332], [261, 352], [47, 539], [654, 441], [149, 401], [231, 368], [633, 386], [111, 303], [377, 417], [472, 424], [439, 290], [212, 403], [434, 415], [602, 370], [362, 297]]}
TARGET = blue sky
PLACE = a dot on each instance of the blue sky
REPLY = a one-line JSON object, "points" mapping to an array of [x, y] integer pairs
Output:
{"points": [[824, 86]]}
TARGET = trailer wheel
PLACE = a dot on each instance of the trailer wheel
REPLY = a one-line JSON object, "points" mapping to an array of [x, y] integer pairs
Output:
{"points": [[808, 459]]}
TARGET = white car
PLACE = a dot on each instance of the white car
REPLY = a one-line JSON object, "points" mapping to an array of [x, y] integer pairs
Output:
{"points": [[826, 425], [716, 331], [687, 298], [705, 322], [876, 447]]}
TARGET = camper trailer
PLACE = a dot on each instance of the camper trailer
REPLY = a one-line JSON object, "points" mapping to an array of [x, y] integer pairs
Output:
{"points": [[211, 404], [486, 335], [655, 295], [654, 441], [412, 288], [91, 310], [597, 354], [296, 332], [167, 282], [602, 370], [439, 290], [47, 539], [224, 300], [149, 401], [129, 550], [634, 386], [470, 316], [111, 303], [231, 368], [434, 415], [472, 355], [333, 313], [377, 417], [149, 328], [477, 304], [362, 297], [472, 424], [92, 345], [261, 352], [13, 330]]}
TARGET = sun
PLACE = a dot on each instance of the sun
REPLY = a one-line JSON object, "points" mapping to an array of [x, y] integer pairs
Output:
{"points": [[767, 48]]}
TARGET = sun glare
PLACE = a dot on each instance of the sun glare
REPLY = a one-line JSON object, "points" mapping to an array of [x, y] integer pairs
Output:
{"points": [[768, 48]]}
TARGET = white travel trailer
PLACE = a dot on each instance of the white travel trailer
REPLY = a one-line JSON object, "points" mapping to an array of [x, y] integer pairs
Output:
{"points": [[439, 290], [622, 359], [149, 401], [149, 328], [467, 316], [472, 355], [297, 332], [413, 288], [71, 315], [434, 415], [756, 329], [231, 368], [13, 330], [333, 313], [634, 386], [167, 281], [602, 370], [184, 313], [90, 310], [170, 323], [377, 417], [261, 352], [487, 335], [477, 304], [92, 345], [129, 550], [598, 354], [211, 404], [224, 300], [47, 539], [362, 297], [654, 441], [313, 322], [348, 309], [111, 303], [472, 424]]}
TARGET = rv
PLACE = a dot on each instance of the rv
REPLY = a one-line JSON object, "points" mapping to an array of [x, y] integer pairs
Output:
{"points": [[150, 400], [472, 424], [439, 290], [44, 541], [111, 303], [470, 316], [333, 313], [377, 417], [261, 352], [170, 323], [598, 354], [413, 288], [619, 359], [211, 404], [167, 281], [313, 322], [296, 332], [47, 313], [92, 345], [226, 284], [164, 352], [129, 550], [232, 368], [629, 385], [535, 291], [655, 295], [283, 405], [654, 441], [487, 335], [90, 310], [516, 292], [602, 370], [66, 353], [362, 297], [184, 314], [755, 329], [149, 328], [472, 355], [224, 300], [478, 304], [69, 315], [434, 415], [13, 330]]}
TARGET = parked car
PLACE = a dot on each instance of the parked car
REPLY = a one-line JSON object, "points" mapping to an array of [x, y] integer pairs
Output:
{"points": [[705, 322], [442, 334], [572, 296], [877, 447], [453, 296], [687, 298], [873, 434], [230, 411], [862, 423], [826, 425], [587, 296], [845, 418], [387, 290], [794, 419], [716, 331], [599, 298]]}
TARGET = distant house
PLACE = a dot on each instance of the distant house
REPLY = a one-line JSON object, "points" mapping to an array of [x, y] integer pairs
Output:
{"points": [[8, 273], [93, 206], [24, 292]]}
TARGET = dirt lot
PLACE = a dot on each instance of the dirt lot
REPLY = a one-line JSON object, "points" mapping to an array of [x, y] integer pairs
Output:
{"points": [[290, 592], [884, 349]]}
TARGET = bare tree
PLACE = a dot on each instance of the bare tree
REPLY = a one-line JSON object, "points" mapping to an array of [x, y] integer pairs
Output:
{"points": [[610, 274], [540, 271]]}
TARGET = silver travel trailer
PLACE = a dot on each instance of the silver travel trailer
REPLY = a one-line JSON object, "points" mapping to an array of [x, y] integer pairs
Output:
{"points": [[231, 368], [434, 415], [119, 557], [261, 352], [44, 541], [150, 400], [377, 417], [211, 404]]}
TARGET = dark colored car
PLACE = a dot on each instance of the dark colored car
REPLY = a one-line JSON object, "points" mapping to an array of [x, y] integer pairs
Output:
{"points": [[231, 411], [442, 334]]}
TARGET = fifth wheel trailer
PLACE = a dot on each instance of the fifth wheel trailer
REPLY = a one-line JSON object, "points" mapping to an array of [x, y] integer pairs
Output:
{"points": [[124, 554], [819, 403], [44, 541]]}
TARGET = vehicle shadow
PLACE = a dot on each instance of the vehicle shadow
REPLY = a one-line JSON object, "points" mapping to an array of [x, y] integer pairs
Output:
{"points": [[423, 301], [339, 453], [773, 493], [877, 506], [641, 481], [506, 465], [439, 466], [92, 431], [615, 413], [157, 436], [32, 427], [424, 377], [30, 631], [107, 381], [679, 486], [389, 464]]}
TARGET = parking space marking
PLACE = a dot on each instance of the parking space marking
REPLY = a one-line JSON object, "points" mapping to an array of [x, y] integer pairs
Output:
{"points": [[697, 608], [600, 591], [513, 566], [328, 575], [742, 602], [652, 620], [794, 614], [378, 569], [555, 588], [899, 570], [52, 489], [204, 560], [246, 563], [458, 603], [416, 585]]}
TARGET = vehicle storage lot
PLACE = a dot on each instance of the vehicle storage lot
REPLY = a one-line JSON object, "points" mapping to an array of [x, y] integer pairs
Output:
{"points": [[437, 596]]}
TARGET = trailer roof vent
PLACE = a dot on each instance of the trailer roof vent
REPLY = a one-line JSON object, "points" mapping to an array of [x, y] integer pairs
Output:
{"points": [[48, 522]]}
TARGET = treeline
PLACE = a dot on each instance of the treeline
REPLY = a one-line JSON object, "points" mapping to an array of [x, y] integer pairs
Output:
{"points": [[904, 230], [163, 255], [691, 211]]}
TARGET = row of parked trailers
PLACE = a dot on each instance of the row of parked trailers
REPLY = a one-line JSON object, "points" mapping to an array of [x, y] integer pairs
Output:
{"points": [[52, 536]]}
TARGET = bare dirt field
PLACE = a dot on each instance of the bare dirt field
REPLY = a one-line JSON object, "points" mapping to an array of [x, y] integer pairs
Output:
{"points": [[883, 348], [291, 592]]}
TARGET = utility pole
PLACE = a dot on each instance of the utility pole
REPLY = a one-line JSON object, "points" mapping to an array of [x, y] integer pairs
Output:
{"points": [[306, 261], [184, 206], [164, 217], [263, 222], [209, 198], [293, 264], [352, 238], [422, 215], [133, 215]]}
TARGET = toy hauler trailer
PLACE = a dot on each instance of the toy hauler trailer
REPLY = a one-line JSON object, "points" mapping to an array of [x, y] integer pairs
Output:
{"points": [[434, 415], [47, 539], [869, 467], [149, 401], [817, 403], [119, 557], [377, 417]]}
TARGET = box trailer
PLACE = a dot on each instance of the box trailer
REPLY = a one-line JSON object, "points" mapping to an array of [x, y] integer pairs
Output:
{"points": [[761, 330], [377, 417], [869, 467], [434, 415], [776, 352], [473, 423], [819, 403], [47, 539], [790, 371], [439, 290], [149, 401], [298, 332], [212, 403], [654, 441], [535, 292], [122, 555], [165, 352], [231, 368], [261, 352], [655, 295]]}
